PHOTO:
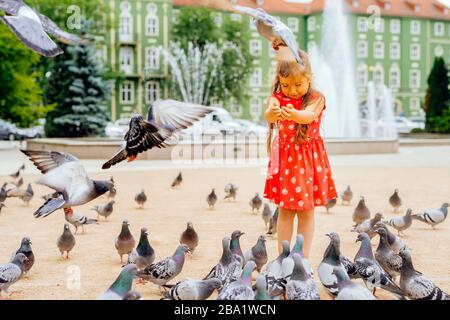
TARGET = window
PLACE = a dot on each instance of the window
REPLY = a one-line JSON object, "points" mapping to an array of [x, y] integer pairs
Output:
{"points": [[126, 59], [362, 76], [362, 24], [152, 27], [235, 109], [255, 47], [415, 51], [126, 28], [439, 51], [378, 50], [311, 24], [292, 23], [414, 104], [394, 77], [361, 50], [152, 58], [379, 25], [255, 108], [439, 29], [256, 78], [127, 92], [152, 8], [414, 79], [378, 75], [395, 26], [395, 51], [415, 27], [175, 14], [152, 91]]}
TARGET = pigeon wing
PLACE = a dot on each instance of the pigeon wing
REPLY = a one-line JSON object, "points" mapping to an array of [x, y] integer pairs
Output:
{"points": [[10, 6], [61, 35], [9, 273], [289, 39], [46, 161]]}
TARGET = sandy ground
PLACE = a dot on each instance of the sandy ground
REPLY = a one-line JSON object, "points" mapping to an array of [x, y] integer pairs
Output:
{"points": [[95, 262]]}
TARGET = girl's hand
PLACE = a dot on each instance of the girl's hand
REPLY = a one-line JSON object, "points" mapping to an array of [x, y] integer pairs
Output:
{"points": [[287, 112], [275, 109]]}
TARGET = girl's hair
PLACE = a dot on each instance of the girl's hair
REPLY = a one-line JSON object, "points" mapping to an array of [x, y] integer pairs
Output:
{"points": [[289, 68]]}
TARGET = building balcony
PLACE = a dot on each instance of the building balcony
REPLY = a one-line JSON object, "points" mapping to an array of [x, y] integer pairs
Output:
{"points": [[129, 39]]}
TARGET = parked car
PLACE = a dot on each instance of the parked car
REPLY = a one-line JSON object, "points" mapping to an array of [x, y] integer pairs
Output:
{"points": [[420, 121], [252, 128], [118, 128], [405, 125], [9, 131]]}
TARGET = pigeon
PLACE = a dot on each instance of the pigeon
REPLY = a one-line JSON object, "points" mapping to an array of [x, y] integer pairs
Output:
{"points": [[257, 253], [347, 196], [395, 242], [273, 30], [18, 183], [192, 289], [395, 201], [266, 214], [50, 196], [300, 285], [333, 259], [125, 242], [273, 223], [361, 212], [11, 272], [367, 225], [1, 206], [330, 204], [177, 181], [65, 174], [289, 264], [235, 247], [228, 269], [189, 237], [242, 288], [24, 195], [165, 117], [32, 28], [104, 209], [230, 191], [261, 289], [66, 241], [256, 202], [144, 254], [112, 193], [132, 295], [3, 193], [415, 285], [348, 290], [274, 274], [140, 199], [165, 270], [390, 261], [122, 286], [25, 248], [77, 219], [16, 174], [371, 272], [401, 223], [433, 217], [211, 199]]}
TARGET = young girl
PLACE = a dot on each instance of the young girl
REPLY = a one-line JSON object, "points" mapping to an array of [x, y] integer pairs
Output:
{"points": [[299, 176]]}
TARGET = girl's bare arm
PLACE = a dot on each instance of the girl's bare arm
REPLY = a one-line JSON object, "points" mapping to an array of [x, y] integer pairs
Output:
{"points": [[311, 113]]}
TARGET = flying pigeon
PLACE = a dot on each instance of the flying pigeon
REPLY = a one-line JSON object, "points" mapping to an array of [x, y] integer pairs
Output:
{"points": [[1, 206], [3, 193], [192, 289], [125, 242], [165, 117], [112, 193], [122, 286], [273, 223], [367, 225], [177, 181], [395, 201], [24, 195], [300, 285], [17, 183], [211, 199], [235, 246], [266, 214], [242, 288], [330, 204], [273, 272], [401, 223], [433, 217], [386, 257], [104, 209], [65, 174], [261, 289], [140, 199], [25, 248], [257, 253], [361, 212], [11, 272], [144, 254], [289, 264], [348, 290], [189, 237], [230, 191], [16, 174], [256, 202], [77, 219], [66, 241], [347, 196]]}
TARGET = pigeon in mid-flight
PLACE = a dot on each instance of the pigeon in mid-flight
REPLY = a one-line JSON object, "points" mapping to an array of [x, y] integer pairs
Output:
{"points": [[230, 191], [177, 181], [16, 174], [64, 173], [32, 28], [165, 117]]}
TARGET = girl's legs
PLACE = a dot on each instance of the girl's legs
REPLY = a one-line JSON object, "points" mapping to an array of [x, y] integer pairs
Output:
{"points": [[285, 226], [305, 226]]}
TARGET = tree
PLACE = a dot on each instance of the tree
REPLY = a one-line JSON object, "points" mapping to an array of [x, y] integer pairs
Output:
{"points": [[437, 98]]}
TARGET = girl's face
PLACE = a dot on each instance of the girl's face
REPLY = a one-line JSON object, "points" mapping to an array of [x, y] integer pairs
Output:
{"points": [[294, 86]]}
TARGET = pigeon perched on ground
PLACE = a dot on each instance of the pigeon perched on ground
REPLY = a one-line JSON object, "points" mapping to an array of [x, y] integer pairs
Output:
{"points": [[361, 212], [1, 206], [125, 241], [330, 204], [177, 180], [77, 219], [300, 285], [395, 201], [415, 285], [266, 214], [144, 254], [242, 288], [235, 246], [25, 248], [367, 225], [257, 253], [273, 223], [132, 295], [192, 289], [16, 174], [3, 193], [297, 248], [211, 199], [261, 289], [256, 203], [165, 117], [273, 273], [24, 195], [140, 199], [32, 28], [230, 191], [123, 284], [11, 272], [104, 209], [17, 183], [190, 237], [348, 290], [228, 269], [386, 257], [65, 174], [433, 217], [347, 196], [401, 223], [371, 272], [395, 242], [66, 241]]}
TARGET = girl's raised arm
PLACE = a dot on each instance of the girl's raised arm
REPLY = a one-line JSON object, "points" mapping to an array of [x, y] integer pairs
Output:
{"points": [[310, 113]]}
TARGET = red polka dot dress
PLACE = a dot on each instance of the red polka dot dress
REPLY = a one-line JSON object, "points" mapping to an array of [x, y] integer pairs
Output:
{"points": [[299, 175]]}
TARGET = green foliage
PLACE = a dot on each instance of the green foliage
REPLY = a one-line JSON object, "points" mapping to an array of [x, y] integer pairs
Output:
{"points": [[417, 130], [440, 124]]}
